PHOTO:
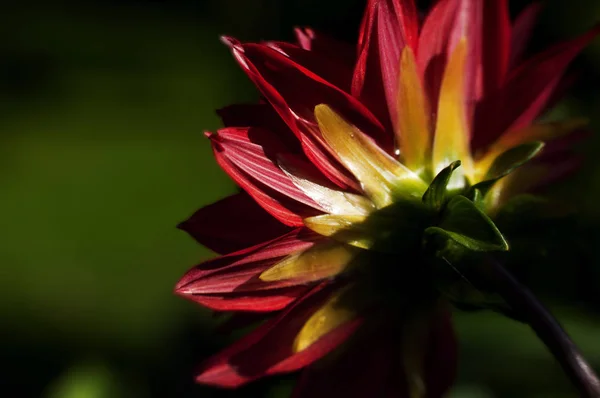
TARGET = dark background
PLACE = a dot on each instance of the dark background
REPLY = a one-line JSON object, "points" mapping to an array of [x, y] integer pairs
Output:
{"points": [[102, 109]]}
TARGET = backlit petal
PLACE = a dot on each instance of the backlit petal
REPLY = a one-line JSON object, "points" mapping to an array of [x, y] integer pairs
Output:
{"points": [[451, 132], [321, 261], [334, 313], [347, 229], [412, 133], [330, 200], [382, 178]]}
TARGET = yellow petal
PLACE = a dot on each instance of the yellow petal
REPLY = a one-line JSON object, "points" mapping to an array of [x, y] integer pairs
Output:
{"points": [[343, 228], [451, 140], [330, 200], [381, 176], [535, 132], [413, 114], [319, 262], [335, 312]]}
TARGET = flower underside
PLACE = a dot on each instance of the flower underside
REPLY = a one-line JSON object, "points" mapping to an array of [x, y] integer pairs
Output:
{"points": [[369, 181], [399, 207]]}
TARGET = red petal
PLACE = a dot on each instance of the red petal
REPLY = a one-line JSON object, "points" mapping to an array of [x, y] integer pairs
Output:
{"points": [[328, 165], [527, 91], [322, 44], [259, 115], [294, 91], [446, 24], [268, 350], [270, 188], [388, 26], [255, 152], [363, 368], [327, 66], [522, 31], [232, 224], [496, 46], [239, 272], [260, 301]]}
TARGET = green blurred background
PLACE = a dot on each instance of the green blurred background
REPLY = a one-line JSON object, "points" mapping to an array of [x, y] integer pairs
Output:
{"points": [[103, 105]]}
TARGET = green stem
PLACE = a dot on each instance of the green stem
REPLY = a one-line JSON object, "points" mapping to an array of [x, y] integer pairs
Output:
{"points": [[546, 327]]}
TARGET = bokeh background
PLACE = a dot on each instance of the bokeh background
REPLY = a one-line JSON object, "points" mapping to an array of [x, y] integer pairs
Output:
{"points": [[103, 106]]}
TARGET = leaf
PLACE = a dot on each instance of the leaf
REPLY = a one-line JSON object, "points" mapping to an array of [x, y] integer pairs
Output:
{"points": [[435, 194], [465, 224], [507, 162]]}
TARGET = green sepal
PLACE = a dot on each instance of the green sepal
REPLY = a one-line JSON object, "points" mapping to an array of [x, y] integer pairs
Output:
{"points": [[506, 163], [436, 193], [463, 223]]}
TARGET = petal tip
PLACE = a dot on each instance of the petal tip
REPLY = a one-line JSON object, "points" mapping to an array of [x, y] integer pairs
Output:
{"points": [[231, 42]]}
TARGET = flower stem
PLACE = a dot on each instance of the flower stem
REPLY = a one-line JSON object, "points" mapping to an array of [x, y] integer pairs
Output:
{"points": [[546, 327]]}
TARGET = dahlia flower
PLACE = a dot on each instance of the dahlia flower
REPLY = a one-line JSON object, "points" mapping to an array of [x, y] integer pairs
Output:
{"points": [[364, 173]]}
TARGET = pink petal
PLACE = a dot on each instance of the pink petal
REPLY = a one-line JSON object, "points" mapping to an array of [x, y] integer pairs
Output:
{"points": [[232, 224], [522, 31], [268, 350], [320, 43], [239, 272], [294, 91], [388, 26], [527, 91]]}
